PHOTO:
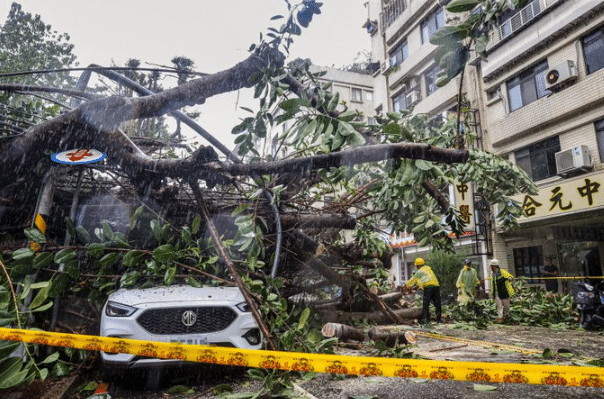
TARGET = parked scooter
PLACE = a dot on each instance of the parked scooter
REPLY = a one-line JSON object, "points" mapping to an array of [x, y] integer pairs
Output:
{"points": [[589, 301]]}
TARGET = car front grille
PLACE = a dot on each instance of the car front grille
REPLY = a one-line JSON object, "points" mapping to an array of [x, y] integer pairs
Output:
{"points": [[166, 321]]}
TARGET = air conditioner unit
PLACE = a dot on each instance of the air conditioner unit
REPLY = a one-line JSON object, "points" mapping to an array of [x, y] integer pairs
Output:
{"points": [[412, 97], [573, 160], [386, 66], [560, 75]]}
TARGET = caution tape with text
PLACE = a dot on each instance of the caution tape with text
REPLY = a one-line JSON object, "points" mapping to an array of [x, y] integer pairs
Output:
{"points": [[323, 363]]}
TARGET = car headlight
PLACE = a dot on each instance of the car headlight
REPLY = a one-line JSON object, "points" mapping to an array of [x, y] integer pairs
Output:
{"points": [[115, 309]]}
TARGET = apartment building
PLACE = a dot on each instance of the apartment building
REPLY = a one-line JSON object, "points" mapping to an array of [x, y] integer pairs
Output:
{"points": [[542, 105], [400, 31], [538, 101]]}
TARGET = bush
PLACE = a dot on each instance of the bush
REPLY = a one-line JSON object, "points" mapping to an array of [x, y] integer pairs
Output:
{"points": [[446, 266]]}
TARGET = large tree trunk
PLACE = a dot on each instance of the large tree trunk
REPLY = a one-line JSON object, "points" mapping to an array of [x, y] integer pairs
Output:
{"points": [[407, 315], [343, 332]]}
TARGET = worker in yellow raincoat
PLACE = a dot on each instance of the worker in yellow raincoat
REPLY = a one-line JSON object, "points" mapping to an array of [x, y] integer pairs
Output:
{"points": [[501, 283], [426, 280]]}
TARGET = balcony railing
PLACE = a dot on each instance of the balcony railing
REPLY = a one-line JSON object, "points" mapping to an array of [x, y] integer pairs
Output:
{"points": [[390, 13], [521, 19]]}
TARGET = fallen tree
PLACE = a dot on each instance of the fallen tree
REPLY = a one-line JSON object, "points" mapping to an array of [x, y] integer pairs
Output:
{"points": [[286, 212]]}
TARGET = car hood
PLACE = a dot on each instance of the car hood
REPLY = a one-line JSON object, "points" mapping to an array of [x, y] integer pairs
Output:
{"points": [[175, 293]]}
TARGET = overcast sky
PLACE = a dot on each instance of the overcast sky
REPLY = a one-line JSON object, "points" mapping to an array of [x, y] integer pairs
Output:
{"points": [[214, 34]]}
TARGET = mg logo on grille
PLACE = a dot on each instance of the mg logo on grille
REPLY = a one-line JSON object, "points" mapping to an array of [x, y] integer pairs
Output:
{"points": [[188, 318]]}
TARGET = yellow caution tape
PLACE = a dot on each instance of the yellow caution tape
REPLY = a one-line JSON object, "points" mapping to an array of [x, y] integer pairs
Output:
{"points": [[322, 363], [40, 223]]}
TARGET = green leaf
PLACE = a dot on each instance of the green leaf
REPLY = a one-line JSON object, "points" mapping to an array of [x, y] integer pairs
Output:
{"points": [[42, 260], [195, 225], [164, 253], [60, 369], [565, 353], [303, 318], [156, 229], [22, 253], [423, 165], [108, 260], [176, 389], [448, 34], [9, 368], [44, 307], [293, 105], [64, 255], [51, 358], [95, 250], [40, 298], [347, 116], [194, 283], [130, 278], [35, 235], [484, 388], [170, 275], [83, 235], [333, 102], [43, 373], [462, 5], [346, 128], [132, 258], [222, 388], [8, 347]]}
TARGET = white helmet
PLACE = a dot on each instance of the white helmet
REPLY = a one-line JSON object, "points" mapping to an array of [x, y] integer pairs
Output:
{"points": [[494, 262]]}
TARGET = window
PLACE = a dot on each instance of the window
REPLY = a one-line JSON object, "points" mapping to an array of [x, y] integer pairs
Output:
{"points": [[399, 54], [431, 76], [527, 262], [600, 137], [407, 98], [538, 160], [593, 50], [368, 95], [434, 22], [357, 95], [528, 86]]}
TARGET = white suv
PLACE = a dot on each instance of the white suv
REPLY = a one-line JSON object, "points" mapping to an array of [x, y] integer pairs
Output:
{"points": [[206, 315]]}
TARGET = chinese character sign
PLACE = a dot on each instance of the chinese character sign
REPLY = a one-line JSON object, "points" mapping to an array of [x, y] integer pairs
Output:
{"points": [[464, 202], [578, 195]]}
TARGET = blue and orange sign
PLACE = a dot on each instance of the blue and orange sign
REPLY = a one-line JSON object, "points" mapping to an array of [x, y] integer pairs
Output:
{"points": [[78, 156]]}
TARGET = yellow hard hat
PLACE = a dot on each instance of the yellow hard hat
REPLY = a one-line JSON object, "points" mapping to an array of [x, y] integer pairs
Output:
{"points": [[419, 262]]}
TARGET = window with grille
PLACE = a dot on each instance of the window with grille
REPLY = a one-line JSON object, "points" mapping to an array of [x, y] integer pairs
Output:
{"points": [[432, 23], [431, 77], [600, 137], [399, 54], [538, 160], [593, 50], [527, 86]]}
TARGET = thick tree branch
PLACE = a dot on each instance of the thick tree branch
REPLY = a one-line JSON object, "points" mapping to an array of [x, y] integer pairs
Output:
{"points": [[354, 156]]}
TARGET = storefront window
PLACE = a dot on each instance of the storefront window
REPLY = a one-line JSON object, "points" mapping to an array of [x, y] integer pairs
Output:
{"points": [[527, 262]]}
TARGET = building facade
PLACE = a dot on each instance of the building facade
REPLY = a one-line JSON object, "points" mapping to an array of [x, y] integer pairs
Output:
{"points": [[542, 104], [400, 31], [538, 101]]}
